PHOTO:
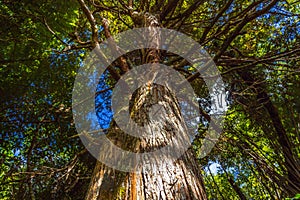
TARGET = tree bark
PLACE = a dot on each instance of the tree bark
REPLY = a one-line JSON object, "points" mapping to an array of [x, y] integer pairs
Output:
{"points": [[168, 178]]}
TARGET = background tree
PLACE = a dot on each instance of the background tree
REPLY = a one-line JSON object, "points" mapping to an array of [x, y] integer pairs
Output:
{"points": [[254, 44]]}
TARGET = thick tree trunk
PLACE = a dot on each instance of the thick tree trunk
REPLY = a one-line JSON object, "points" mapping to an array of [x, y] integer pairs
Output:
{"points": [[170, 179], [164, 177]]}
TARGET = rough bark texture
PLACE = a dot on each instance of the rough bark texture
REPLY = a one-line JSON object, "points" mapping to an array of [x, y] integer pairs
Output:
{"points": [[170, 179], [179, 179]]}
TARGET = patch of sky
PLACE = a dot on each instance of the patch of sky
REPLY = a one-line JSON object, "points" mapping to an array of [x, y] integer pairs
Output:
{"points": [[103, 102]]}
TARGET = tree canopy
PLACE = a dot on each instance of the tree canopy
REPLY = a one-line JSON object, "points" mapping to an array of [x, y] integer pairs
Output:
{"points": [[255, 45]]}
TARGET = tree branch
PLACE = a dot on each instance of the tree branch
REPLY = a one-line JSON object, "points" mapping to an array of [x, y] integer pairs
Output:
{"points": [[92, 21], [240, 26]]}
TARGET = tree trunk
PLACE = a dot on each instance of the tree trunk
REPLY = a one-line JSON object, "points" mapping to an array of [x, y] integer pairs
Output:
{"points": [[291, 161], [165, 179]]}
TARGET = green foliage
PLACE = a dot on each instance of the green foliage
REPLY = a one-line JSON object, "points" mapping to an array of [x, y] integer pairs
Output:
{"points": [[294, 198], [44, 42]]}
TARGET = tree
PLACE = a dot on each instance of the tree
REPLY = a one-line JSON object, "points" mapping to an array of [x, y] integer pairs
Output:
{"points": [[255, 46]]}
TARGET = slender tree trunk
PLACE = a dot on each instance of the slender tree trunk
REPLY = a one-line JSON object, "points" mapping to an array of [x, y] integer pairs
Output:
{"points": [[236, 188], [291, 161], [170, 179]]}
